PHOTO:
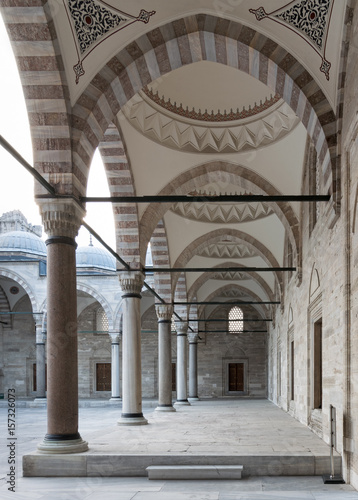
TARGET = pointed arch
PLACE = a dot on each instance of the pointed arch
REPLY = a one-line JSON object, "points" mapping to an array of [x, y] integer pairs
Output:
{"points": [[206, 37]]}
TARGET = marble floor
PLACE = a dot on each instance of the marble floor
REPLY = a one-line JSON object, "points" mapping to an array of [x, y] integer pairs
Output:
{"points": [[206, 427]]}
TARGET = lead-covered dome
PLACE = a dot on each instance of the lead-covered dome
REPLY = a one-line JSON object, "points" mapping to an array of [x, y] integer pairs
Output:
{"points": [[22, 241], [95, 257]]}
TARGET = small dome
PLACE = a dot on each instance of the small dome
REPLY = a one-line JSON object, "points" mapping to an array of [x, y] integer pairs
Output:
{"points": [[95, 257], [22, 241]]}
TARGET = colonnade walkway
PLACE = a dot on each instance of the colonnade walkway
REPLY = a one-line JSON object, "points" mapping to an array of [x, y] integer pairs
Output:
{"points": [[271, 445]]}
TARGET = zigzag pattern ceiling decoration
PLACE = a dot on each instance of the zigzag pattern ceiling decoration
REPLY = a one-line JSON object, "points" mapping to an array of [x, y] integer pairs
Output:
{"points": [[223, 250], [228, 213], [92, 22], [310, 19], [230, 276], [176, 132]]}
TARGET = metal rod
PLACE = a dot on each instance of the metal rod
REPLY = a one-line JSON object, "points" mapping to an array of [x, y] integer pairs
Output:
{"points": [[217, 303], [25, 164], [107, 247], [52, 191], [236, 331], [216, 269], [233, 198], [20, 312], [229, 320]]}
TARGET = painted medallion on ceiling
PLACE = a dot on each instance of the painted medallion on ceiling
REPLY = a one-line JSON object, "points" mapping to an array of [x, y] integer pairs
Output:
{"points": [[93, 22], [309, 19]]}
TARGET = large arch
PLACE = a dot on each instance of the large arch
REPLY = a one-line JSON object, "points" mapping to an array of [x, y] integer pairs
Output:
{"points": [[200, 176], [195, 38], [16, 277], [235, 235], [100, 299]]}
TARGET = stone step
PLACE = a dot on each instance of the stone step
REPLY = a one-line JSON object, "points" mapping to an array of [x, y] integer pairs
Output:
{"points": [[194, 471]]}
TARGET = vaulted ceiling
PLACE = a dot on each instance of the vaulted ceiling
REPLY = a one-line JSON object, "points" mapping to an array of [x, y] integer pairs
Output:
{"points": [[222, 97]]}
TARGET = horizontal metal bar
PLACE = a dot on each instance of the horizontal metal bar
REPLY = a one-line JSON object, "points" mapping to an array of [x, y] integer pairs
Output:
{"points": [[223, 198], [6, 145], [217, 303], [227, 331], [217, 269], [107, 247], [228, 320], [20, 312]]}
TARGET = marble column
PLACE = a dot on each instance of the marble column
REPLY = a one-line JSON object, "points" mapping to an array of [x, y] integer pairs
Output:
{"points": [[182, 385], [62, 219], [40, 358], [164, 313], [131, 283], [116, 395], [193, 366]]}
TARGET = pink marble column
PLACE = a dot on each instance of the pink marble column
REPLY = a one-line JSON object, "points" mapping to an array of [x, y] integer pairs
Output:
{"points": [[61, 223]]}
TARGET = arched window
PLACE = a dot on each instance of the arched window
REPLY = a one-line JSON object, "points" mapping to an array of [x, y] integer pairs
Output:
{"points": [[236, 320]]}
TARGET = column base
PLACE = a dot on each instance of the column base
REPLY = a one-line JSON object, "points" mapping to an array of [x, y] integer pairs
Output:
{"points": [[132, 419], [165, 408], [193, 399], [56, 447], [39, 402], [115, 400], [182, 402]]}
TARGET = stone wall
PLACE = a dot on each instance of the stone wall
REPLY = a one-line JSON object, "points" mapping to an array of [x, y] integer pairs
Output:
{"points": [[327, 292]]}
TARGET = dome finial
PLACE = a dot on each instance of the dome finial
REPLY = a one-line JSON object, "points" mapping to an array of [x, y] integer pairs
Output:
{"points": [[91, 243]]}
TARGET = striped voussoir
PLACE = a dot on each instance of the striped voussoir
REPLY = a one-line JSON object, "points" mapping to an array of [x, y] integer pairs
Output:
{"points": [[120, 182], [33, 37], [160, 256]]}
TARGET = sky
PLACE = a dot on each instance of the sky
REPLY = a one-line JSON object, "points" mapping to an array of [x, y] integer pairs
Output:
{"points": [[16, 184]]}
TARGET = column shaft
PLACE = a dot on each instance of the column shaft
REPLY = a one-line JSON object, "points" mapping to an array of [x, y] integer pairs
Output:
{"points": [[61, 221], [115, 371], [131, 351], [193, 370], [40, 370], [164, 365], [182, 366]]}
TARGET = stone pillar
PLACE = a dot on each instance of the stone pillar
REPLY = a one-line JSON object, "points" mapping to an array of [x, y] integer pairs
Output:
{"points": [[164, 313], [115, 337], [62, 219], [131, 283], [40, 358], [182, 389], [193, 367]]}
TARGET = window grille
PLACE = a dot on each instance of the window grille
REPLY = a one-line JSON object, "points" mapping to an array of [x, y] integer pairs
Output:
{"points": [[236, 320], [102, 325]]}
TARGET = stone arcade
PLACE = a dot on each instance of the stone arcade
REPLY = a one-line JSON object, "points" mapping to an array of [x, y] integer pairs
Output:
{"points": [[231, 98]]}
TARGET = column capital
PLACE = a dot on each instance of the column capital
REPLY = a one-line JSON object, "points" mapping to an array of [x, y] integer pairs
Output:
{"points": [[115, 337], [38, 319], [164, 312], [40, 336], [131, 282], [193, 337], [181, 327], [61, 217]]}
